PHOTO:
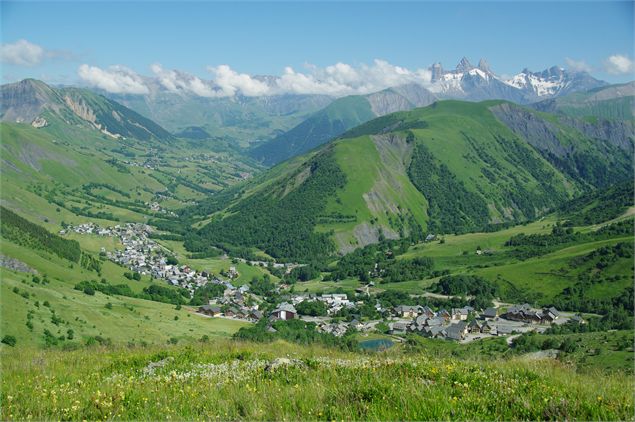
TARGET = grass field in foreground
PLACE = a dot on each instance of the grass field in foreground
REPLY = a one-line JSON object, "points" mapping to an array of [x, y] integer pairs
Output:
{"points": [[229, 380]]}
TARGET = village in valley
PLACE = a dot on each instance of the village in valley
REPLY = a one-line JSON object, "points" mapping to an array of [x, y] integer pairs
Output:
{"points": [[145, 256]]}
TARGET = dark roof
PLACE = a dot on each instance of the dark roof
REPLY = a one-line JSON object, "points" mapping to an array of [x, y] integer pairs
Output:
{"points": [[490, 312]]}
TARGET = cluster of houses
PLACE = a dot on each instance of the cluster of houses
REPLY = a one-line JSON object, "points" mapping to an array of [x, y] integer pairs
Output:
{"points": [[457, 323], [526, 314], [145, 256], [156, 207], [334, 302], [150, 164]]}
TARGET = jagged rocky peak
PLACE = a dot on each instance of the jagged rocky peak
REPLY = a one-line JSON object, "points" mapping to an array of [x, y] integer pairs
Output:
{"points": [[484, 66], [464, 65], [437, 71]]}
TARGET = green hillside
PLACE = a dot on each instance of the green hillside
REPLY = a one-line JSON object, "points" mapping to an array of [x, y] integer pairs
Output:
{"points": [[450, 167], [339, 116], [322, 126]]}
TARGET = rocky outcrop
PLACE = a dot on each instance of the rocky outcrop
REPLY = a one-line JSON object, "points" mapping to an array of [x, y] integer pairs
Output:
{"points": [[15, 265], [618, 133], [537, 131]]}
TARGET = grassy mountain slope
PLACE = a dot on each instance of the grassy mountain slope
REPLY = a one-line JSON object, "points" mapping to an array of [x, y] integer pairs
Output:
{"points": [[33, 102], [322, 126], [62, 171], [44, 299], [451, 167], [339, 116]]}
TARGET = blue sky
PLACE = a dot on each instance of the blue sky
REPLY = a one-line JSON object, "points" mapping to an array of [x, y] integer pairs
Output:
{"points": [[264, 38]]}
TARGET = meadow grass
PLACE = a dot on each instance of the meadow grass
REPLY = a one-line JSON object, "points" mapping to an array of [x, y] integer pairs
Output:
{"points": [[229, 380]]}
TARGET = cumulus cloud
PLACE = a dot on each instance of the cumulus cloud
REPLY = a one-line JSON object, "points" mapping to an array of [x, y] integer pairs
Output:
{"points": [[25, 53], [578, 65], [181, 82], [115, 79], [22, 53], [337, 80], [343, 79], [230, 82], [619, 64]]}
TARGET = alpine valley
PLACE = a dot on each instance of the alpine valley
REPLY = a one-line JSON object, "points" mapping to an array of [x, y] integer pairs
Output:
{"points": [[171, 255]]}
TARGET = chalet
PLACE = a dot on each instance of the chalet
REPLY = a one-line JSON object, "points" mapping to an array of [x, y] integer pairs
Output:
{"points": [[255, 315], [434, 332], [490, 313], [486, 327], [421, 320], [456, 331], [406, 311], [284, 311], [460, 314], [523, 313], [444, 314], [232, 312], [398, 327], [211, 310], [475, 327], [427, 312], [435, 322], [550, 314]]}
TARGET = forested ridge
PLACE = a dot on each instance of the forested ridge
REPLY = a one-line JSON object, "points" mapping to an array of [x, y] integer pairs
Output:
{"points": [[23, 232]]}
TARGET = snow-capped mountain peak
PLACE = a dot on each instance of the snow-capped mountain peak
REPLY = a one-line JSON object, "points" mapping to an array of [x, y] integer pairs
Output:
{"points": [[475, 83], [464, 65]]}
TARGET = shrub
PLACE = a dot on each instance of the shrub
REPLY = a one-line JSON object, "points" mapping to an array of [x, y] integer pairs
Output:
{"points": [[9, 340]]}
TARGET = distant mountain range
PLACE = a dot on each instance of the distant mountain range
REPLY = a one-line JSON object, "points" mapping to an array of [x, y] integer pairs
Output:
{"points": [[476, 83], [250, 120], [466, 82]]}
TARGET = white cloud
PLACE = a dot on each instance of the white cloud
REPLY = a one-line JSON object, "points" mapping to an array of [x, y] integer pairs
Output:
{"points": [[181, 82], [231, 82], [22, 53], [618, 64], [343, 79], [578, 65], [337, 80], [115, 79]]}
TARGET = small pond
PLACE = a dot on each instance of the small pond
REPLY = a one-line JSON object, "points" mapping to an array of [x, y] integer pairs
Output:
{"points": [[376, 344]]}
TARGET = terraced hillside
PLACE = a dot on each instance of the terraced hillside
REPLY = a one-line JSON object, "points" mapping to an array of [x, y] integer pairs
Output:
{"points": [[450, 167]]}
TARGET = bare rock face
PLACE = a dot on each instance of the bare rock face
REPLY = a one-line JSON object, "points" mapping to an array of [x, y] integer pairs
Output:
{"points": [[15, 265]]}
